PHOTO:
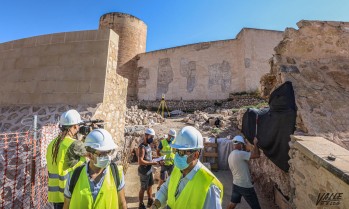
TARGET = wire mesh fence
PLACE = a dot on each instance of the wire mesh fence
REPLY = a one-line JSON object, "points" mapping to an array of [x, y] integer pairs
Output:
{"points": [[23, 171]]}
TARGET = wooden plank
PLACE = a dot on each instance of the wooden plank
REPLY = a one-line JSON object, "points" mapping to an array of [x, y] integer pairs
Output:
{"points": [[210, 154], [210, 145]]}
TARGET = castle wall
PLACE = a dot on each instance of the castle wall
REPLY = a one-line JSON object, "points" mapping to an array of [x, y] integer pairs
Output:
{"points": [[207, 71], [47, 75], [132, 35], [258, 48], [57, 68]]}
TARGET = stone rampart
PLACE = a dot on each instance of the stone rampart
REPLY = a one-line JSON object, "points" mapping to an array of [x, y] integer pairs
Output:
{"points": [[207, 71]]}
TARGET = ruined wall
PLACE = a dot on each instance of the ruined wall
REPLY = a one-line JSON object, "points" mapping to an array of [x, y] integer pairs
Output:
{"points": [[313, 176], [132, 34], [207, 71], [315, 58], [57, 68]]}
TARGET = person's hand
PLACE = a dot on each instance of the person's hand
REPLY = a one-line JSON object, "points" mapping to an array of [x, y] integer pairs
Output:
{"points": [[255, 141], [156, 204]]}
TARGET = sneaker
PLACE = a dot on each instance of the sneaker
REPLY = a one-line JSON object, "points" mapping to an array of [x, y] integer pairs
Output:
{"points": [[150, 202], [142, 206]]}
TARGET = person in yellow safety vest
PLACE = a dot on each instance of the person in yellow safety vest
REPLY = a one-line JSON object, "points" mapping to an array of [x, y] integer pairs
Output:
{"points": [[96, 186], [191, 184], [164, 149], [59, 162]]}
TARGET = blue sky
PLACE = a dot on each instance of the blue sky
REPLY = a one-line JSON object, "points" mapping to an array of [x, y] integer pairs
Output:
{"points": [[170, 22]]}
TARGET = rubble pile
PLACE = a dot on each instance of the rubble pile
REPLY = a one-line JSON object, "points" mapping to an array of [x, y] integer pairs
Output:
{"points": [[135, 116], [209, 106]]}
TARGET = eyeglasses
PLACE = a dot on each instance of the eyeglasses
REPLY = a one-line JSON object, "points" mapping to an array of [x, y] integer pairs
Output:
{"points": [[183, 152]]}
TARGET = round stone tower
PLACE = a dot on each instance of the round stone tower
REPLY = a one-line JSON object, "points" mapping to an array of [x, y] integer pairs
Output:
{"points": [[132, 34]]}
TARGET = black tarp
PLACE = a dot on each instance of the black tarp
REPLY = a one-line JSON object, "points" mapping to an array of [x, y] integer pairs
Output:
{"points": [[274, 125]]}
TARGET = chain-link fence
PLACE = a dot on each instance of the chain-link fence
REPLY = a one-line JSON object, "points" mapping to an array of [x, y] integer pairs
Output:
{"points": [[23, 171]]}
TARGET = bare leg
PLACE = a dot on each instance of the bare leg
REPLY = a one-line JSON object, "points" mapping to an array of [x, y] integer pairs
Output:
{"points": [[141, 195]]}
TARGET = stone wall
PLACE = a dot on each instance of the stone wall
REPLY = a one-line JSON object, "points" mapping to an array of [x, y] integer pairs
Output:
{"points": [[58, 68], [69, 71], [207, 71], [315, 58], [132, 34], [313, 175]]}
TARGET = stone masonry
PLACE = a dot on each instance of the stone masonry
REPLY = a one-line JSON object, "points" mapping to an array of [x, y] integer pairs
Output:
{"points": [[313, 175], [47, 75], [315, 58]]}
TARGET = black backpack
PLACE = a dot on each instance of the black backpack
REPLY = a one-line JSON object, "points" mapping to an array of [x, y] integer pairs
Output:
{"points": [[77, 171]]}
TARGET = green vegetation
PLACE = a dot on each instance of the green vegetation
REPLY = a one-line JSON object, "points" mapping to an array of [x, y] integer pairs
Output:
{"points": [[257, 106]]}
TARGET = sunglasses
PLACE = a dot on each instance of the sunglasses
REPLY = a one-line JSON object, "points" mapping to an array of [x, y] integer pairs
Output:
{"points": [[183, 152]]}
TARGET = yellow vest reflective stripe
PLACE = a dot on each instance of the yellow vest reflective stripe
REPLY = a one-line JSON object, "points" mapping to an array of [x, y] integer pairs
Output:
{"points": [[167, 150], [107, 197], [57, 176], [194, 193]]}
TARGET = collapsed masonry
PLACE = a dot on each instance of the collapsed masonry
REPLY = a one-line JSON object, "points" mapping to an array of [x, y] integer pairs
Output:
{"points": [[315, 58]]}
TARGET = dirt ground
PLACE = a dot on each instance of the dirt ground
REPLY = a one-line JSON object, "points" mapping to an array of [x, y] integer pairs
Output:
{"points": [[133, 184]]}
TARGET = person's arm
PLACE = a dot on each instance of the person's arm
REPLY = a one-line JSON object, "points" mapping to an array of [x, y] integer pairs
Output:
{"points": [[141, 161], [255, 151], [213, 200], [66, 203], [161, 196], [159, 149], [122, 199]]}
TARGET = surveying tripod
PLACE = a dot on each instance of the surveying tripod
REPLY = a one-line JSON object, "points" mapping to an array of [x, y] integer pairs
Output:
{"points": [[163, 106]]}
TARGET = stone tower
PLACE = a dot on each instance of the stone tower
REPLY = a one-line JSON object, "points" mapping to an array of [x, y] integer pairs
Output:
{"points": [[132, 41]]}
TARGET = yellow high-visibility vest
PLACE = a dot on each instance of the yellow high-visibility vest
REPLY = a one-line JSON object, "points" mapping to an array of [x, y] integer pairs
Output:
{"points": [[167, 151], [107, 197], [57, 176], [194, 193]]}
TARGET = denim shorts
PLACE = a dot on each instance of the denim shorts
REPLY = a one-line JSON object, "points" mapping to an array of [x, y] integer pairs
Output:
{"points": [[249, 195]]}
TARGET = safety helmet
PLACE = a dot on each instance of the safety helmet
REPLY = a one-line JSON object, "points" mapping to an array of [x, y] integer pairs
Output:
{"points": [[188, 138], [150, 131], [100, 139], [71, 117], [172, 132], [238, 139]]}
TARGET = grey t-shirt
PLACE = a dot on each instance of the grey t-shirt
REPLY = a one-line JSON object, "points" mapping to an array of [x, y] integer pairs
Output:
{"points": [[238, 164]]}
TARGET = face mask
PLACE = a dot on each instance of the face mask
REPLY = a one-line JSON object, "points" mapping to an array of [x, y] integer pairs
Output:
{"points": [[103, 162], [172, 138], [181, 162], [149, 141]]}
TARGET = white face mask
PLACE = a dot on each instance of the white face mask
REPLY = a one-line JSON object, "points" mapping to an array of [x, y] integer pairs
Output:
{"points": [[103, 162]]}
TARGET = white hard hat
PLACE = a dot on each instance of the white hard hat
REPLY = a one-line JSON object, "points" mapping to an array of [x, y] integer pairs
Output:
{"points": [[71, 117], [188, 138], [172, 132], [100, 139], [150, 131], [238, 139]]}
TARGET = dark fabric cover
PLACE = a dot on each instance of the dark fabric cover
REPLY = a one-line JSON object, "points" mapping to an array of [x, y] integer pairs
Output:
{"points": [[274, 125]]}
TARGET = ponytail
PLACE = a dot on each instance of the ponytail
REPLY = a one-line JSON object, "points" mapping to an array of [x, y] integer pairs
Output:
{"points": [[59, 139]]}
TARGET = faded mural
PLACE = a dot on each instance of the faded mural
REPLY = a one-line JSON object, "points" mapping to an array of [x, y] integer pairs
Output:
{"points": [[220, 74], [143, 76], [165, 77], [188, 70]]}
